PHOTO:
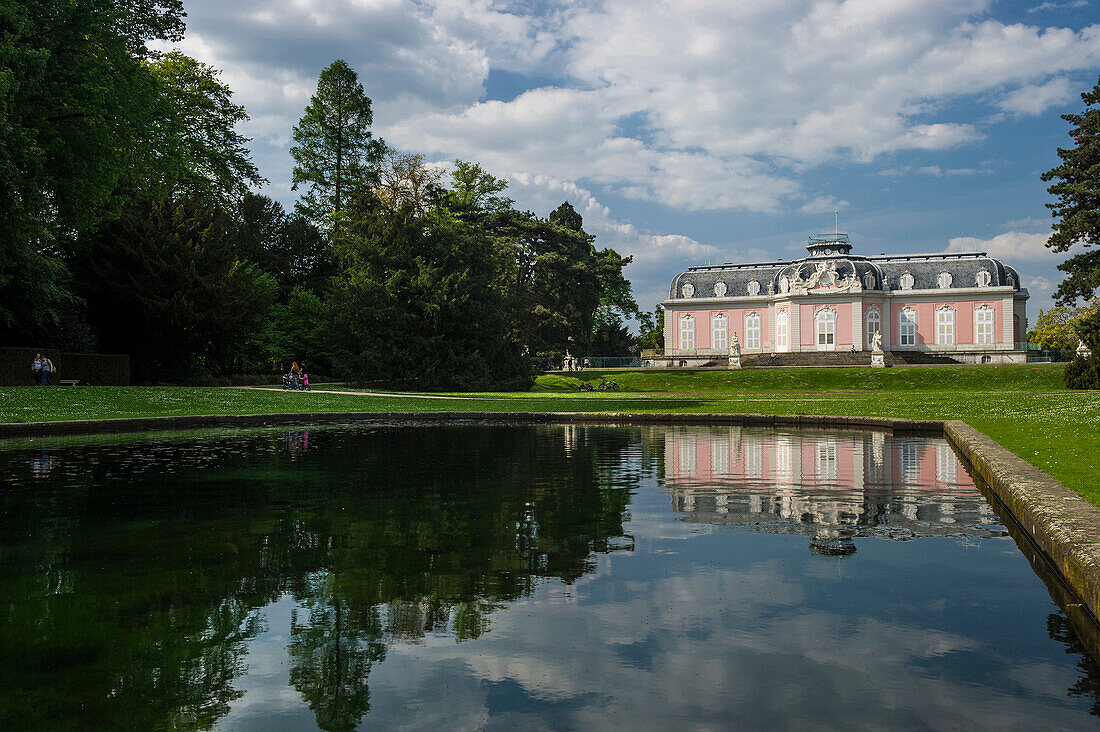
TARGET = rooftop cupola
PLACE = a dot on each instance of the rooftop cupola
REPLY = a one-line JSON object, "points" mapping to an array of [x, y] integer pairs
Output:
{"points": [[826, 245]]}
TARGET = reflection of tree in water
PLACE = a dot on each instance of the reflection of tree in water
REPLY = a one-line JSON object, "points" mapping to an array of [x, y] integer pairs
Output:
{"points": [[332, 651], [1088, 685], [437, 545], [138, 573]]}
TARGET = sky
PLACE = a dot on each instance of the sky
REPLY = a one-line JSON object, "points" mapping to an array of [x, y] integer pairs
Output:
{"points": [[701, 131]]}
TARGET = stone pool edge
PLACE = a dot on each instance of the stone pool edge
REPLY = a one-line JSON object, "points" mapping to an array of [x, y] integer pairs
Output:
{"points": [[1064, 526], [142, 424]]}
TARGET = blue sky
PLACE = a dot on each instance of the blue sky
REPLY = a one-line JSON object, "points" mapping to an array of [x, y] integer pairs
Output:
{"points": [[693, 131]]}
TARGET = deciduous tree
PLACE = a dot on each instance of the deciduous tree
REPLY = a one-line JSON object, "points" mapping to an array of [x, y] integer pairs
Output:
{"points": [[203, 155], [1056, 328], [417, 303], [76, 107]]}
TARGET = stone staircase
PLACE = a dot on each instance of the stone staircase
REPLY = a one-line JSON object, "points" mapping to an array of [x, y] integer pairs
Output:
{"points": [[810, 358]]}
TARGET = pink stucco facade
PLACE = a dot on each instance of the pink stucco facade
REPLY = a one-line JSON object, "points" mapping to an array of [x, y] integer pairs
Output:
{"points": [[722, 454], [966, 305]]}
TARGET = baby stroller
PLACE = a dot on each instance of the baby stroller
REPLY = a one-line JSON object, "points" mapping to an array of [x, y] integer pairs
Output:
{"points": [[287, 382]]}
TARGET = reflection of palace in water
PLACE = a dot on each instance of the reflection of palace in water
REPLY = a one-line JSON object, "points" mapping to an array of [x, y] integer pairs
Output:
{"points": [[832, 487]]}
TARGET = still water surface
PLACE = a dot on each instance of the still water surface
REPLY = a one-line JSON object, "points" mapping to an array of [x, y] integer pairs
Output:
{"points": [[503, 577]]}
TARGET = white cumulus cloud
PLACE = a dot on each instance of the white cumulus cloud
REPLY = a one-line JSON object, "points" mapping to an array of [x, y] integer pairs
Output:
{"points": [[1010, 246]]}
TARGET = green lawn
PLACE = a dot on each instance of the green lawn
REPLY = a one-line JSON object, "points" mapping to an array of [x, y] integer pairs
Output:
{"points": [[1025, 408]]}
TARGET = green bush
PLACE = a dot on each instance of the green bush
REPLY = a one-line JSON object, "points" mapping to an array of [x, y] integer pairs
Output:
{"points": [[90, 368], [1083, 373]]}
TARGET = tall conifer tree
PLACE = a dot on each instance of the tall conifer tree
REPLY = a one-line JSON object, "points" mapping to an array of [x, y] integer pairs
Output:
{"points": [[1077, 209], [335, 153]]}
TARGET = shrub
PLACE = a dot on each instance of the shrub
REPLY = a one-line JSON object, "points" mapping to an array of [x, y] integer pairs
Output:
{"points": [[1083, 373], [90, 368]]}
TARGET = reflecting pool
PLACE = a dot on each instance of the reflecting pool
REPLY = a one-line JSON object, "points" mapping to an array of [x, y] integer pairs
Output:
{"points": [[503, 577]]}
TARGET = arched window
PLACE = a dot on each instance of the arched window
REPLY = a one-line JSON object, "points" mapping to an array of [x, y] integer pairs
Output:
{"points": [[983, 278], [752, 331], [782, 330], [720, 289], [944, 280], [754, 288], [687, 333], [719, 332], [906, 281], [983, 326], [945, 326], [907, 327], [826, 329], [874, 324]]}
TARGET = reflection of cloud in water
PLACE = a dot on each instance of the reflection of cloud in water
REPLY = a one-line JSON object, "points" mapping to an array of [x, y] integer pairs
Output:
{"points": [[713, 647]]}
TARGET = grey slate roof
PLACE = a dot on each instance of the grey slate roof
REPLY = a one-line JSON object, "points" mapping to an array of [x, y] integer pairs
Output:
{"points": [[925, 269]]}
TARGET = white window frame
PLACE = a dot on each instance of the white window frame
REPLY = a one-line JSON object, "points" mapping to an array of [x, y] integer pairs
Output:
{"points": [[783, 330], [907, 327], [687, 332], [874, 324], [784, 473], [752, 331], [754, 458], [719, 326], [828, 460], [825, 329], [909, 463], [984, 320], [945, 326], [720, 455], [688, 455], [947, 464]]}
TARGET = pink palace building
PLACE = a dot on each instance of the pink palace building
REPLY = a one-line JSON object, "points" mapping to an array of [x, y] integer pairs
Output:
{"points": [[966, 306]]}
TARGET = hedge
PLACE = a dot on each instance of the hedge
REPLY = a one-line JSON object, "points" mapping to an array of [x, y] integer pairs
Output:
{"points": [[90, 368]]}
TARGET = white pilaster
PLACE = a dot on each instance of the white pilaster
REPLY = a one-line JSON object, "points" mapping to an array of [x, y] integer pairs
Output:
{"points": [[796, 328], [857, 323]]}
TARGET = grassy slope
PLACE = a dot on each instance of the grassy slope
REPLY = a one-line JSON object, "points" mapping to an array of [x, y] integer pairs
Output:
{"points": [[1025, 408]]}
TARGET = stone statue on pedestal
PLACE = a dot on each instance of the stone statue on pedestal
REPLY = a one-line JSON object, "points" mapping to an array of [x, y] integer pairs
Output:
{"points": [[878, 358], [735, 351]]}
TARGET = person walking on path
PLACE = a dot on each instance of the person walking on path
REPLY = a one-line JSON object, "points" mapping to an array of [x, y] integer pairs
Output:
{"points": [[47, 372], [37, 366], [295, 374]]}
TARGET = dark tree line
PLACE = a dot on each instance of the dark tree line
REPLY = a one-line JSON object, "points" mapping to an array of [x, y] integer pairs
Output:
{"points": [[131, 225]]}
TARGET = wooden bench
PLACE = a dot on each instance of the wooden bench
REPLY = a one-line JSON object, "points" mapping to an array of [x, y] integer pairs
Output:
{"points": [[68, 382]]}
